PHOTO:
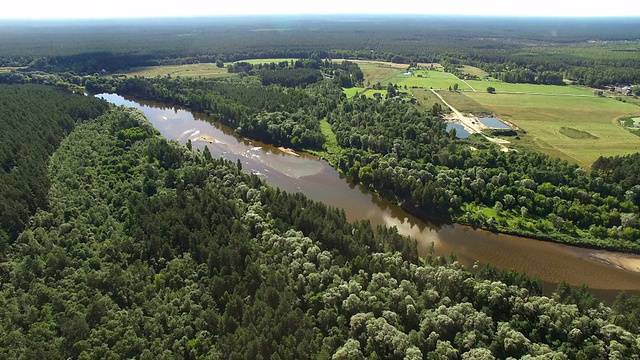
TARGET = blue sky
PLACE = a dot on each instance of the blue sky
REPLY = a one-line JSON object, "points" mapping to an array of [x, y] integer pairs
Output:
{"points": [[61, 9]]}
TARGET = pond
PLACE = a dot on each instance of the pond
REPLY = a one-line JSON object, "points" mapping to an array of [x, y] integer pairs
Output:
{"points": [[461, 132], [604, 272], [494, 123]]}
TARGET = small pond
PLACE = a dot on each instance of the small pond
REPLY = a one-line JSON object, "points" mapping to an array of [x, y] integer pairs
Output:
{"points": [[461, 132], [494, 123]]}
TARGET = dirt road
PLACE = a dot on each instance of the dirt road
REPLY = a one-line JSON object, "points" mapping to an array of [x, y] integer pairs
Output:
{"points": [[473, 125]]}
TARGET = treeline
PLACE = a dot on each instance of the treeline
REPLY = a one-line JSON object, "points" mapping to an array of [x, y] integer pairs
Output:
{"points": [[290, 77], [33, 122], [302, 72], [530, 77], [151, 251], [623, 170], [593, 52], [408, 157]]}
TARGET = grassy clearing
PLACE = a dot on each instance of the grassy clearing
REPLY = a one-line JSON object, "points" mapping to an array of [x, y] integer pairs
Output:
{"points": [[262, 61], [428, 79], [472, 70], [6, 69], [426, 99], [434, 66], [331, 142], [543, 117], [351, 92], [369, 93], [481, 85], [378, 72], [187, 70]]}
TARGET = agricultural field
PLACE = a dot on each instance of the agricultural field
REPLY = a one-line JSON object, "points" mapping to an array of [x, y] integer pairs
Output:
{"points": [[578, 129], [481, 85], [378, 72], [472, 70], [187, 70], [428, 79], [463, 103]]}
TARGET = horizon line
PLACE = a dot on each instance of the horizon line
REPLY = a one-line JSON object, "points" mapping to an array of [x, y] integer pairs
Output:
{"points": [[377, 15]]}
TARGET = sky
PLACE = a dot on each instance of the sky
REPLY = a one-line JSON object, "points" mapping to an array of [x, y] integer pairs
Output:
{"points": [[83, 9]]}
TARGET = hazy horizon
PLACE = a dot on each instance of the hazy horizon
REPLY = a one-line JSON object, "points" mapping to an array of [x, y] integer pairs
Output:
{"points": [[121, 9]]}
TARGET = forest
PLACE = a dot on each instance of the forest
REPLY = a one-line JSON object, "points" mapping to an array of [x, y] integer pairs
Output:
{"points": [[33, 122], [594, 52], [150, 250], [118, 243]]}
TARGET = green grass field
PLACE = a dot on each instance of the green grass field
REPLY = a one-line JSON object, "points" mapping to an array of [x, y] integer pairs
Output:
{"points": [[206, 70], [351, 92], [7, 69], [594, 123], [429, 79], [331, 142], [375, 72], [472, 70], [481, 86], [263, 61], [464, 103], [187, 70], [369, 93]]}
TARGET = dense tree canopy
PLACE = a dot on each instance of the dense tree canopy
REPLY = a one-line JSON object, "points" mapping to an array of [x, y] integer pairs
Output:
{"points": [[33, 121], [151, 250]]}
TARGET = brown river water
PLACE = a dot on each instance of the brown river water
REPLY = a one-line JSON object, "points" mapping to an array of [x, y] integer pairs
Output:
{"points": [[606, 273]]}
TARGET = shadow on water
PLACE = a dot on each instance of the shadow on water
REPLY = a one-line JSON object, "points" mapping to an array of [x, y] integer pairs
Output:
{"points": [[606, 273]]}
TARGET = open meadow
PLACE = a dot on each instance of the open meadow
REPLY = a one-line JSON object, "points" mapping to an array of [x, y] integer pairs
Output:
{"points": [[262, 61], [472, 70], [481, 86], [378, 72], [578, 129], [351, 92], [5, 69], [464, 103], [187, 70], [428, 79]]}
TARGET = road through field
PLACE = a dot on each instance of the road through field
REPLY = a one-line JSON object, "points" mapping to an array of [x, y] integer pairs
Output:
{"points": [[465, 81]]}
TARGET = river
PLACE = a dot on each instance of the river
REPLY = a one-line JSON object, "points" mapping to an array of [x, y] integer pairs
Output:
{"points": [[606, 273]]}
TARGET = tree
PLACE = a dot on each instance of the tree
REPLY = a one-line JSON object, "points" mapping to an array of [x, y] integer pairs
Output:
{"points": [[455, 87], [491, 90], [220, 63]]}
